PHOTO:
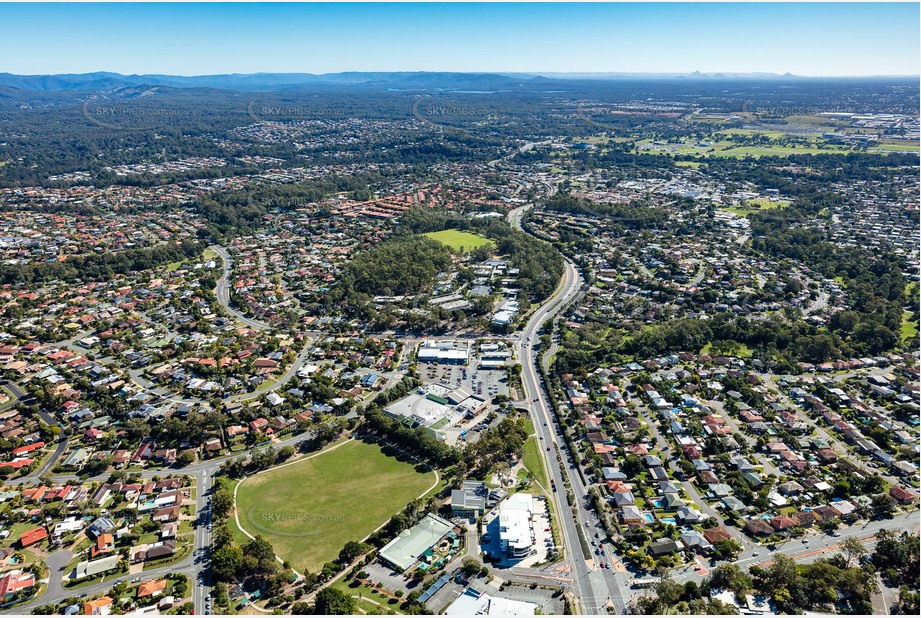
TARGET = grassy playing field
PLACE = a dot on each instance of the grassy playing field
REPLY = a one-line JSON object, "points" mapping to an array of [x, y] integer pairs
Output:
{"points": [[310, 509], [894, 146], [458, 240], [756, 205]]}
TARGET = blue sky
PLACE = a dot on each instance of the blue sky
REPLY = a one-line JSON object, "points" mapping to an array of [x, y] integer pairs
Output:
{"points": [[197, 39]]}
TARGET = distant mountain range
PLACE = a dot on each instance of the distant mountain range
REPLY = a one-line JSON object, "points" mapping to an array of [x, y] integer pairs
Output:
{"points": [[104, 81]]}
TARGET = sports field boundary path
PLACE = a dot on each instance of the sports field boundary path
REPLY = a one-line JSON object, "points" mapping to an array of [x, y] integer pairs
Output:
{"points": [[236, 511]]}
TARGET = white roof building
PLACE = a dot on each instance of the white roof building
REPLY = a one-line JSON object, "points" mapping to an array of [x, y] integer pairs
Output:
{"points": [[475, 603], [515, 532], [71, 524]]}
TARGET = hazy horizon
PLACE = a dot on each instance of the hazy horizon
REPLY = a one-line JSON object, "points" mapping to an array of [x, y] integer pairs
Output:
{"points": [[563, 74]]}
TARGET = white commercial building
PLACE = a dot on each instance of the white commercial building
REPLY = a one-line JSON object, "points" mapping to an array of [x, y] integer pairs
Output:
{"points": [[515, 534], [442, 352]]}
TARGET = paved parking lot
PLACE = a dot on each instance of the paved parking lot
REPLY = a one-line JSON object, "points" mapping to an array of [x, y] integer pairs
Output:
{"points": [[451, 376], [484, 383], [488, 383], [390, 579], [544, 599]]}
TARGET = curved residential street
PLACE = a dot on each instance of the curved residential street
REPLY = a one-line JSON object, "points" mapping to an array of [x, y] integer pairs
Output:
{"points": [[223, 291]]}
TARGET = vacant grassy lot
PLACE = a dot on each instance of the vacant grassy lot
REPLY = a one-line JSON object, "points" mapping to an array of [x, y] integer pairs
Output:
{"points": [[766, 204], [743, 351], [777, 151], [368, 600], [909, 327], [459, 240], [531, 459], [310, 509], [746, 132]]}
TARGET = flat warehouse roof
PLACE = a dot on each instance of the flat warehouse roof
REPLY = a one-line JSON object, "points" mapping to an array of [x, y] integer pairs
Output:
{"points": [[422, 410]]}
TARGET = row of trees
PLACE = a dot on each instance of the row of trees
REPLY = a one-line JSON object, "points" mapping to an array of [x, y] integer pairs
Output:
{"points": [[785, 340], [504, 442], [636, 214], [843, 582]]}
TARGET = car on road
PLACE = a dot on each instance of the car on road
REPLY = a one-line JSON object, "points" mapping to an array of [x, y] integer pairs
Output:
{"points": [[837, 534], [805, 541]]}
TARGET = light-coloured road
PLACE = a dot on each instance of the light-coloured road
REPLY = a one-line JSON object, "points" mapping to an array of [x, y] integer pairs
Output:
{"points": [[594, 587], [201, 567], [699, 276], [17, 394], [223, 292]]}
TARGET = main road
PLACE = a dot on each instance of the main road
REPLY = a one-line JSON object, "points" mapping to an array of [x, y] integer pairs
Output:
{"points": [[595, 588], [200, 569]]}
